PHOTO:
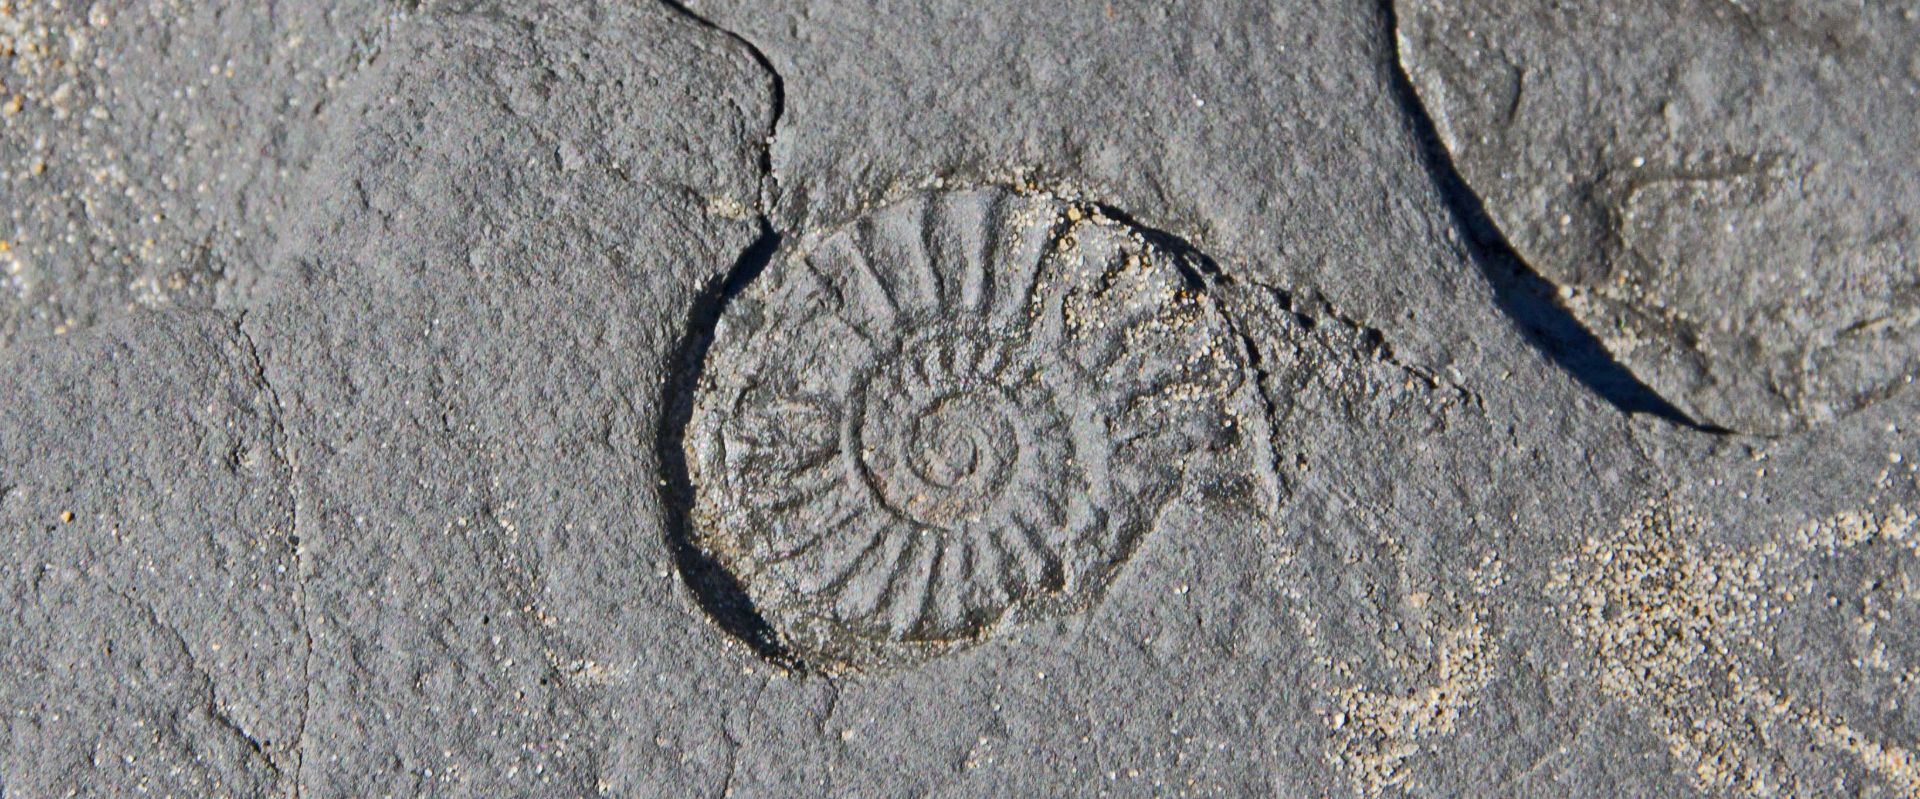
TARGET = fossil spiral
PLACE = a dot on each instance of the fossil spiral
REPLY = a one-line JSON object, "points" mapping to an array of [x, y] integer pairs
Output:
{"points": [[961, 411]]}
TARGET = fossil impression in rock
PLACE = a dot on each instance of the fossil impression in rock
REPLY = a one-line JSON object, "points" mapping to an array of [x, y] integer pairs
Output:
{"points": [[962, 411]]}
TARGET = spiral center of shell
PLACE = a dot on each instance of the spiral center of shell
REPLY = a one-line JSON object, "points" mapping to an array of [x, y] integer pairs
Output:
{"points": [[940, 438], [949, 444]]}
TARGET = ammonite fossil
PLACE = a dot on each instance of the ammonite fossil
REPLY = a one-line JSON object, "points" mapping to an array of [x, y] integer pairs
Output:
{"points": [[962, 411]]}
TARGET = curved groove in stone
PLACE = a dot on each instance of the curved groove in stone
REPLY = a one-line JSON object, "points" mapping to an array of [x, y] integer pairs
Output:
{"points": [[1526, 298], [718, 593]]}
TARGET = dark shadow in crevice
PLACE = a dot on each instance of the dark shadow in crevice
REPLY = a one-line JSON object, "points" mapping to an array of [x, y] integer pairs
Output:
{"points": [[719, 593], [1195, 266], [1528, 300]]}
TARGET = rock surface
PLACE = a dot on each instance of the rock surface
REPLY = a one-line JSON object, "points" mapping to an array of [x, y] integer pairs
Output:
{"points": [[1722, 189], [469, 335], [494, 472], [151, 153], [152, 623]]}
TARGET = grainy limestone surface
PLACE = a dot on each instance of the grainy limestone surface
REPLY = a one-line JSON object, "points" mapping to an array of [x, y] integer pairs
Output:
{"points": [[152, 152], [909, 399]]}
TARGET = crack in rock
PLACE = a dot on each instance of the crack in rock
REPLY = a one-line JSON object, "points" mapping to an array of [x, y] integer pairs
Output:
{"points": [[770, 181], [283, 450]]}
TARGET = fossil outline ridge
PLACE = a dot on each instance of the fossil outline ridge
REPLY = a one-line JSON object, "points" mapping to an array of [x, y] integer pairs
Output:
{"points": [[962, 411]]}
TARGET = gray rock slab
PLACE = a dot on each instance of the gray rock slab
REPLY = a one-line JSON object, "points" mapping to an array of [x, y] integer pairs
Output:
{"points": [[415, 335], [1210, 122], [149, 153], [592, 318], [1722, 190], [151, 633], [520, 208]]}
